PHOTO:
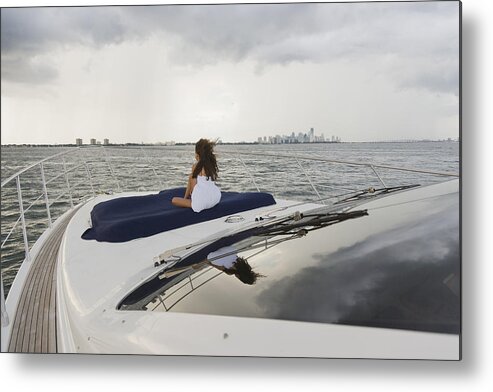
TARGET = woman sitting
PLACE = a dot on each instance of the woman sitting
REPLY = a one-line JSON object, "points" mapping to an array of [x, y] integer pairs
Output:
{"points": [[202, 192]]}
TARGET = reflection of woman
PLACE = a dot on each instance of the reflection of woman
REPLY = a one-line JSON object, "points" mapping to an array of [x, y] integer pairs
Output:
{"points": [[231, 264]]}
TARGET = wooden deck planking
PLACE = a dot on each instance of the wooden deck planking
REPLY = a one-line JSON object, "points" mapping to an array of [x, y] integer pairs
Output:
{"points": [[39, 266], [35, 341], [30, 336], [51, 341], [43, 343], [24, 320], [25, 315], [36, 333], [46, 287], [50, 322], [32, 285], [34, 328]]}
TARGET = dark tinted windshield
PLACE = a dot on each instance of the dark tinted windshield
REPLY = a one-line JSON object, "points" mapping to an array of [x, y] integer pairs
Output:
{"points": [[398, 267]]}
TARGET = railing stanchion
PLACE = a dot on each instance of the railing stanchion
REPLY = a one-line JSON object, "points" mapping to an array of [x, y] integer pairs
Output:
{"points": [[374, 171], [90, 178], [45, 192], [308, 178], [68, 184], [111, 169], [152, 167], [21, 209], [5, 315], [249, 172], [88, 171]]}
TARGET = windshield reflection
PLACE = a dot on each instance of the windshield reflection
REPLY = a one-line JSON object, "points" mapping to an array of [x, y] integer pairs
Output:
{"points": [[394, 279], [399, 267]]}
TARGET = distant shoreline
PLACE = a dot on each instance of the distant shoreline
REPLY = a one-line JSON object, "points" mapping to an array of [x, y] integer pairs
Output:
{"points": [[223, 143]]}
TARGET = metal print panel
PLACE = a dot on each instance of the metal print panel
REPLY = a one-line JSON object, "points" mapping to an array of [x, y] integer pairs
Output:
{"points": [[277, 180]]}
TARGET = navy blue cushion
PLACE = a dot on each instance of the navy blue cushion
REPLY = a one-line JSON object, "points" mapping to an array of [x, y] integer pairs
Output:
{"points": [[128, 218]]}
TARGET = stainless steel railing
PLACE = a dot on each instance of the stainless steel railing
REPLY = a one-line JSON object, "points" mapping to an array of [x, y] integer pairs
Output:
{"points": [[318, 187], [70, 191]]}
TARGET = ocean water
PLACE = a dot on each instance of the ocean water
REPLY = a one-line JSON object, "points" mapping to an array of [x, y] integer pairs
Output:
{"points": [[82, 173]]}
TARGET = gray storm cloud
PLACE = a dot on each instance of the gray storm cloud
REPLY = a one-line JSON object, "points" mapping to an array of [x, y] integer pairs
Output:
{"points": [[28, 33], [420, 40]]}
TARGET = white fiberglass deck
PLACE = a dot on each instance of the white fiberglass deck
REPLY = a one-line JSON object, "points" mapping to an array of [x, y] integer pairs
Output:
{"points": [[95, 276]]}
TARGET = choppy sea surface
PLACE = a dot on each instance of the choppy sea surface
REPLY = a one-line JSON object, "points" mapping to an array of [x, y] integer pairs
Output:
{"points": [[78, 174]]}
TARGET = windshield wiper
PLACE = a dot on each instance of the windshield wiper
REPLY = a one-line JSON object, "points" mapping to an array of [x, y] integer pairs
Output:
{"points": [[309, 222], [296, 224], [372, 192]]}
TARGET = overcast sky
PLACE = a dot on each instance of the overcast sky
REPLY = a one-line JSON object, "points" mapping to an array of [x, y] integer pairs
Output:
{"points": [[361, 71]]}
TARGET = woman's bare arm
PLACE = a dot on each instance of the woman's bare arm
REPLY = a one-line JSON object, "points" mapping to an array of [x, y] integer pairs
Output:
{"points": [[190, 184]]}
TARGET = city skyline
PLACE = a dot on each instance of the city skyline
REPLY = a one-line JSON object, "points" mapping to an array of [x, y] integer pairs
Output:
{"points": [[300, 137], [79, 142], [293, 138], [234, 72]]}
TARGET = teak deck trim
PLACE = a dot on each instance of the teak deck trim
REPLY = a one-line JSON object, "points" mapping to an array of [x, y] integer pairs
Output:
{"points": [[34, 328]]}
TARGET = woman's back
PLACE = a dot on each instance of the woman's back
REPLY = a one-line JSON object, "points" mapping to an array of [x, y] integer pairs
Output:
{"points": [[205, 194]]}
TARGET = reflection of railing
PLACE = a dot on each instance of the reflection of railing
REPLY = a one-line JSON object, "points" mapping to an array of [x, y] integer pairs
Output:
{"points": [[187, 287], [258, 241]]}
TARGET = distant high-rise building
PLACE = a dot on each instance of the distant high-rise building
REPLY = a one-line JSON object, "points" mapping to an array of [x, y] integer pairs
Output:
{"points": [[311, 135], [78, 142], [106, 142], [93, 141]]}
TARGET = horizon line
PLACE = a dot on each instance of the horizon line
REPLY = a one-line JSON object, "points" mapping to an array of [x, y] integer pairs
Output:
{"points": [[168, 144]]}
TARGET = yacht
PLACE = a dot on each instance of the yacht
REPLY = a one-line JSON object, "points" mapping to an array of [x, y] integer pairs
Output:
{"points": [[368, 272]]}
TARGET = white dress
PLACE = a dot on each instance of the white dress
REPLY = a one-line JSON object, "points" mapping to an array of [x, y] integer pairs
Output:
{"points": [[206, 194], [219, 260]]}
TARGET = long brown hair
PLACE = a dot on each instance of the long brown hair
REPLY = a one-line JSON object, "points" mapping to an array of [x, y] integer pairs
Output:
{"points": [[244, 272], [207, 160]]}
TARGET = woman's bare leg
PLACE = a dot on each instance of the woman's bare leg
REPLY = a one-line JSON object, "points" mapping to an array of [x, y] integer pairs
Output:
{"points": [[181, 202]]}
